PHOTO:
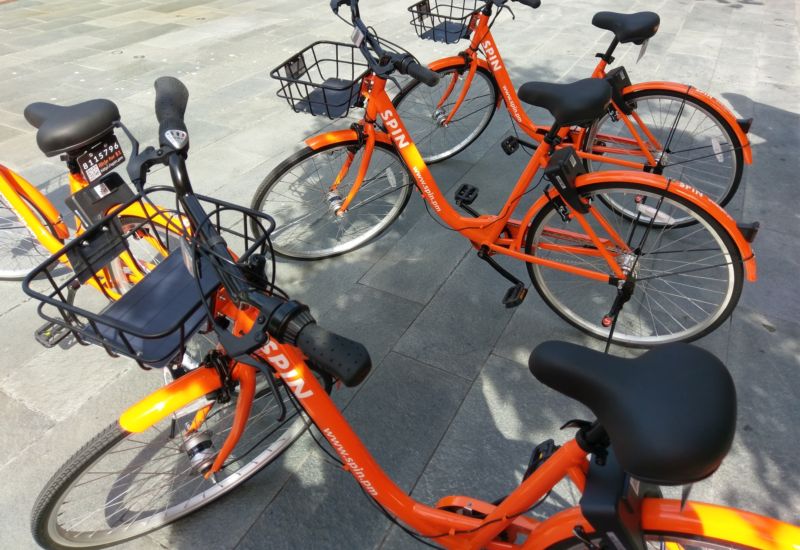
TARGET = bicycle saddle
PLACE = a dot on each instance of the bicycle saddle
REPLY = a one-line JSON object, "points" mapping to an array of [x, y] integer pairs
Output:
{"points": [[69, 129], [670, 414], [628, 27], [575, 103]]}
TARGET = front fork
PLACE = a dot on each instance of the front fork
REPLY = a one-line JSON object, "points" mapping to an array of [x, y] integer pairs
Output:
{"points": [[338, 205]]}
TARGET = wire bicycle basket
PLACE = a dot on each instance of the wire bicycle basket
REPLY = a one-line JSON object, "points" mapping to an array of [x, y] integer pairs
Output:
{"points": [[445, 21], [151, 321], [323, 79]]}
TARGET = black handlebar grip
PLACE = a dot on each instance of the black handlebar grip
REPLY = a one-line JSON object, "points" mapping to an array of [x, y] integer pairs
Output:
{"points": [[171, 100], [340, 357], [423, 74], [531, 3], [406, 64]]}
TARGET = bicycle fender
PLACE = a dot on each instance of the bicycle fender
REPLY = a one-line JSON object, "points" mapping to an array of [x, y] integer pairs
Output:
{"points": [[454, 61], [711, 102], [328, 138], [689, 193], [170, 398]]}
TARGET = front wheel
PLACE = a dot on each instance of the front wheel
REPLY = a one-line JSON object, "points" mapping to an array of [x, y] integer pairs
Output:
{"points": [[424, 110], [703, 149], [687, 277], [121, 485], [301, 195]]}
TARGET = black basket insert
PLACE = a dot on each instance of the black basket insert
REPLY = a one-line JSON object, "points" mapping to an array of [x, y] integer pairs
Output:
{"points": [[153, 319], [323, 79], [445, 21]]}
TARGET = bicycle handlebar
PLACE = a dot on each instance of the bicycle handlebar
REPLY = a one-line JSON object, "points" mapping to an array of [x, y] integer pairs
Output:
{"points": [[171, 100], [407, 65], [286, 321], [530, 3]]}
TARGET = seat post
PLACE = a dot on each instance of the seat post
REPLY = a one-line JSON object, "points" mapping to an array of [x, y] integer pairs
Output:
{"points": [[608, 57]]}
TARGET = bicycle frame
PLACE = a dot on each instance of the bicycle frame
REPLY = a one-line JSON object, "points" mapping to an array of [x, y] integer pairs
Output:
{"points": [[446, 527], [642, 143], [500, 234], [17, 190]]}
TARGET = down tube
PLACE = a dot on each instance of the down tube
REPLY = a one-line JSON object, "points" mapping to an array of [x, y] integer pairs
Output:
{"points": [[289, 363], [419, 170], [509, 95]]}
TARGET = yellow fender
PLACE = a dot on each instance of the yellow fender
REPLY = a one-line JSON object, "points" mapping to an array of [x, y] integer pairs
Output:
{"points": [[172, 397]]}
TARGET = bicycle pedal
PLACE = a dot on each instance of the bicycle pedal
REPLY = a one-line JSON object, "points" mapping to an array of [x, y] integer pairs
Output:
{"points": [[540, 454], [50, 334], [466, 195], [510, 145], [515, 295]]}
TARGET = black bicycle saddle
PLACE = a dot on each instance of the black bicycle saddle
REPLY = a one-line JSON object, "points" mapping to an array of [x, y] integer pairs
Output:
{"points": [[70, 129], [670, 414]]}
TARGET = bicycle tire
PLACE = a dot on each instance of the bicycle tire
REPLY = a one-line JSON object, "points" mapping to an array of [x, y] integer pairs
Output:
{"points": [[422, 126], [288, 212], [585, 307], [724, 145], [49, 513], [23, 243]]}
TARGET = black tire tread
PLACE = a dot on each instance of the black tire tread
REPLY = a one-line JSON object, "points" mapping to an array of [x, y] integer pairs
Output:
{"points": [[61, 480]]}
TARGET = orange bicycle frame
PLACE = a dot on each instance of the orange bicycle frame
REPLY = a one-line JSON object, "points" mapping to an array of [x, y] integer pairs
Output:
{"points": [[487, 231], [448, 528], [635, 146]]}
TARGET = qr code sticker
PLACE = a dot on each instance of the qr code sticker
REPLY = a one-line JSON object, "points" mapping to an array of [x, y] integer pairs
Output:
{"points": [[93, 173]]}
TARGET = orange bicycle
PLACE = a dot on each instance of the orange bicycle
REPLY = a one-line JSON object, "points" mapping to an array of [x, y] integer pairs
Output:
{"points": [[591, 242], [31, 228], [269, 377], [660, 127]]}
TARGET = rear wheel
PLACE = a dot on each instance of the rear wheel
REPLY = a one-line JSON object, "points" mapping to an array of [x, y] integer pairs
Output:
{"points": [[20, 250], [120, 485], [298, 195], [703, 152], [688, 277], [419, 109]]}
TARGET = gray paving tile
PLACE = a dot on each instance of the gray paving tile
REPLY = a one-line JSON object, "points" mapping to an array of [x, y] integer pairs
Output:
{"points": [[462, 322]]}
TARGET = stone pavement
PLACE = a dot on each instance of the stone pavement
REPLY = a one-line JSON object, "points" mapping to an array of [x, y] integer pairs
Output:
{"points": [[450, 406]]}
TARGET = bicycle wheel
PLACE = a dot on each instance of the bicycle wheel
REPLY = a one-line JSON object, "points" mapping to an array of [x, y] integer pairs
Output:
{"points": [[20, 250], [149, 245], [297, 195], [688, 278], [418, 107], [703, 152], [120, 486]]}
